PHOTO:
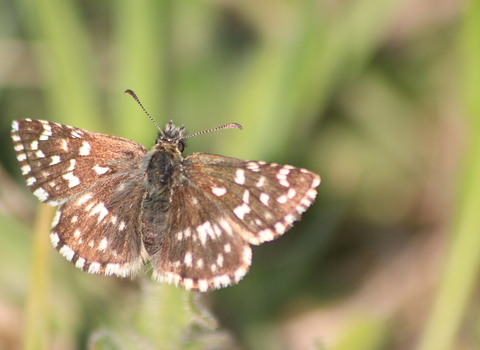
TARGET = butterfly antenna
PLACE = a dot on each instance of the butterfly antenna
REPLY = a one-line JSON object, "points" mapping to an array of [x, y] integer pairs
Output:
{"points": [[135, 97], [226, 126]]}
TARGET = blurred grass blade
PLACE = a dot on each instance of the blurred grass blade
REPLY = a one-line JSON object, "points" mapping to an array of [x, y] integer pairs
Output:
{"points": [[462, 265], [167, 319], [37, 316], [289, 83], [163, 314], [142, 35], [65, 60], [364, 334]]}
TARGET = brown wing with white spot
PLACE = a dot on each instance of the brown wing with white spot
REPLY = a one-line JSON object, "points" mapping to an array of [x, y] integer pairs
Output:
{"points": [[99, 231], [221, 206], [201, 248], [264, 199], [59, 161], [90, 176]]}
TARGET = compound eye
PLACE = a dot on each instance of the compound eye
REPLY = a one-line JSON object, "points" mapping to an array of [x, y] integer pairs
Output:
{"points": [[181, 146]]}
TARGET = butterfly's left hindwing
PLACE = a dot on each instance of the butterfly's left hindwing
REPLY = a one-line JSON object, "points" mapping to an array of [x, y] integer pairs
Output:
{"points": [[220, 206]]}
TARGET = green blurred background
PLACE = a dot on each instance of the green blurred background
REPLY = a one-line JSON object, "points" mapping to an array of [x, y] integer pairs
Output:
{"points": [[377, 96]]}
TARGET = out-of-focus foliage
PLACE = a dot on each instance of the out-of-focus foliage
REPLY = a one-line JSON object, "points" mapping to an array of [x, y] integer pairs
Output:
{"points": [[378, 97]]}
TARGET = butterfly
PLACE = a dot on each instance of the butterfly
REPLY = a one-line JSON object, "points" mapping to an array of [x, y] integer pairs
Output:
{"points": [[120, 205]]}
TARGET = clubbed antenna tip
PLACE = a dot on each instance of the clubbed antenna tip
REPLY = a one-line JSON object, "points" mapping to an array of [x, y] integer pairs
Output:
{"points": [[226, 126], [135, 97]]}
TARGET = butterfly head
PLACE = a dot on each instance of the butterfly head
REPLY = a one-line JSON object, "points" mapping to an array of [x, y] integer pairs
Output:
{"points": [[173, 136]]}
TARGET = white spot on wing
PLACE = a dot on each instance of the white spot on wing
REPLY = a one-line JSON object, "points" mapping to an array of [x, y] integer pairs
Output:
{"points": [[266, 235], [260, 182], [222, 281], [94, 267], [264, 198], [280, 228], [282, 199], [188, 259], [101, 210], [76, 134], [41, 194], [115, 269], [26, 169], [247, 255], [67, 252], [188, 283], [64, 145], [100, 170], [80, 263], [291, 193], [47, 132], [217, 230], [289, 219], [200, 263], [240, 177], [253, 166], [242, 210], [84, 149], [282, 176], [103, 244], [226, 226], [72, 179], [56, 218], [204, 230], [83, 199], [240, 273], [219, 191], [246, 196], [202, 285], [54, 239], [40, 154], [54, 160], [73, 162], [220, 260]]}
